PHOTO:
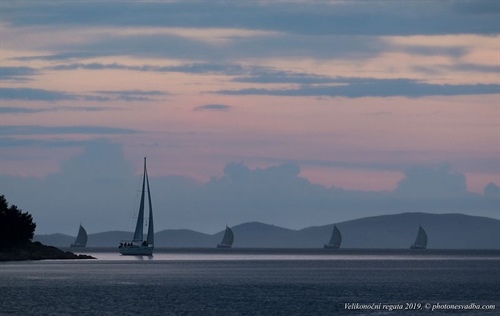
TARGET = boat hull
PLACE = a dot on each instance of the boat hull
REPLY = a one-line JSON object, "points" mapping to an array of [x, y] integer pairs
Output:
{"points": [[331, 247], [417, 247], [223, 246], [136, 251], [78, 246]]}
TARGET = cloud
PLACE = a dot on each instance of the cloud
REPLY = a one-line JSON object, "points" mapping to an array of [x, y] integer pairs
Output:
{"points": [[171, 46], [98, 187], [20, 110], [492, 190], [298, 30], [132, 95], [253, 74], [262, 75], [46, 130], [30, 94], [96, 182], [61, 56], [371, 87], [213, 107], [319, 18], [198, 68], [17, 73], [462, 67], [432, 182]]}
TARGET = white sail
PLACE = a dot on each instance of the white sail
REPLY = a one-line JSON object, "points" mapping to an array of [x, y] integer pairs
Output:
{"points": [[138, 246], [227, 240], [81, 238]]}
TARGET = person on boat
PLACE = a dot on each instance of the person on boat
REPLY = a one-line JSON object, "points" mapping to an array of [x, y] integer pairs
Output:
{"points": [[144, 243]]}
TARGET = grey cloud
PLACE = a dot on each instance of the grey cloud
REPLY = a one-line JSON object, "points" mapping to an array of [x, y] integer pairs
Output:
{"points": [[212, 107], [228, 69], [304, 30], [350, 18], [30, 94], [62, 56], [199, 68], [251, 74], [425, 181], [276, 195], [133, 95], [282, 45], [83, 189], [463, 67], [276, 76], [479, 8], [492, 190], [17, 73], [20, 110], [369, 87], [346, 164]]}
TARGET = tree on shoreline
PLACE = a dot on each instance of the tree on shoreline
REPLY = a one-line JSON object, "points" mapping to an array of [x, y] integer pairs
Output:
{"points": [[16, 227]]}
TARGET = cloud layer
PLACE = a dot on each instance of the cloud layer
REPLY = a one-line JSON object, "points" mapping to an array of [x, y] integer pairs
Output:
{"points": [[98, 190], [337, 109]]}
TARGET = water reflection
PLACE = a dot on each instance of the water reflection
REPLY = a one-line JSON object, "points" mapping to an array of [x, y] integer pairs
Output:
{"points": [[209, 254]]}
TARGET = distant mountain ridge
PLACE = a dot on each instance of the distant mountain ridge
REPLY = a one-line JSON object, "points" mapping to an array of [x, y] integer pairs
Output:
{"points": [[445, 231]]}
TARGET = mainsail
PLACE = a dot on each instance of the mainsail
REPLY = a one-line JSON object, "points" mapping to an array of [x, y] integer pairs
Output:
{"points": [[81, 239], [335, 239], [421, 241], [227, 240], [138, 234], [151, 232]]}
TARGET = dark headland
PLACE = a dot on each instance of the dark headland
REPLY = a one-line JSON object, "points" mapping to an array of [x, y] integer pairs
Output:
{"points": [[36, 251], [16, 232]]}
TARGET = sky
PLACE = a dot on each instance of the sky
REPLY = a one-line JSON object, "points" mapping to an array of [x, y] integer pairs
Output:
{"points": [[292, 113]]}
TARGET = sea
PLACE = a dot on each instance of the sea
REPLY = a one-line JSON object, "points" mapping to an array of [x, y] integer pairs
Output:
{"points": [[256, 282]]}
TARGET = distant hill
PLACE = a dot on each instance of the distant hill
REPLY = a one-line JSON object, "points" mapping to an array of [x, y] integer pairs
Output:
{"points": [[445, 231]]}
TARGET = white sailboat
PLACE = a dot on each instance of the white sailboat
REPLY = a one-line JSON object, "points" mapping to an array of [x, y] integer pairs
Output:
{"points": [[138, 246], [335, 240], [227, 240], [421, 241], [81, 238]]}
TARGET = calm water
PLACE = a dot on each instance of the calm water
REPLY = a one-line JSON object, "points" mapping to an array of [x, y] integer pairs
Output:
{"points": [[255, 282]]}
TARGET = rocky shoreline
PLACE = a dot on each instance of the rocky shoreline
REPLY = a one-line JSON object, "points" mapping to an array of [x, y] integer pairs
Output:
{"points": [[36, 251]]}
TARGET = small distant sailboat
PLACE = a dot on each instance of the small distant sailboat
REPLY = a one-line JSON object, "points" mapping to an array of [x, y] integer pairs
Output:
{"points": [[138, 246], [227, 241], [81, 239], [421, 241], [335, 240]]}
